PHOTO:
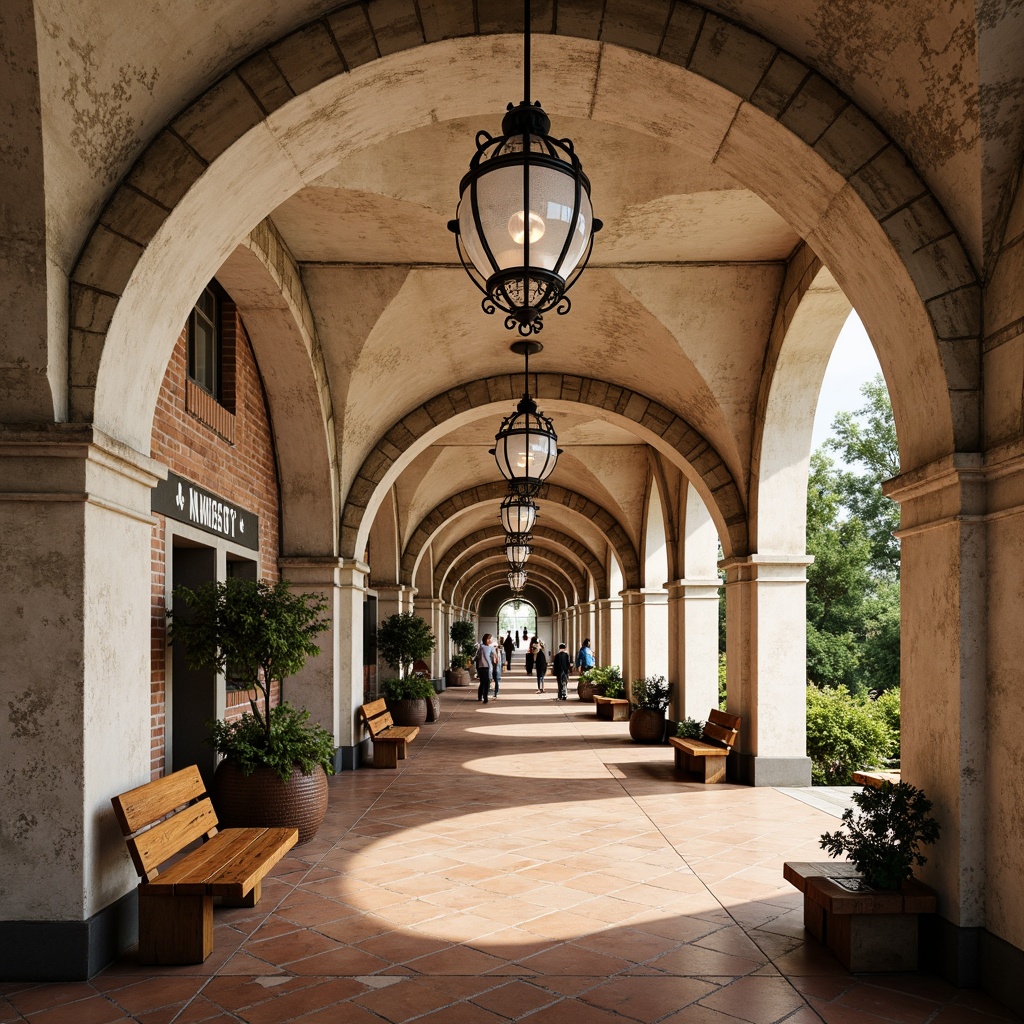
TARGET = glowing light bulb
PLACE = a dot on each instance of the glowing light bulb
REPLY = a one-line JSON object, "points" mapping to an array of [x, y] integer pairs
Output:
{"points": [[515, 227]]}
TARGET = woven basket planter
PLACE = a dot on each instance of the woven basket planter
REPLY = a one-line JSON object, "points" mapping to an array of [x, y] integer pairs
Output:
{"points": [[585, 691], [408, 712], [262, 800], [433, 708], [646, 725]]}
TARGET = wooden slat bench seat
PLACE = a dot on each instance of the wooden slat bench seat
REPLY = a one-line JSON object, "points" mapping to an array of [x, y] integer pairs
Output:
{"points": [[612, 709], [390, 741], [875, 779], [705, 758], [160, 820]]}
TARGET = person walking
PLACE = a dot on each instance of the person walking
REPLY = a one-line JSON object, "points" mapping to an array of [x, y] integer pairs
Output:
{"points": [[485, 660], [531, 653], [517, 639], [585, 656], [509, 648], [499, 652], [540, 664], [560, 666]]}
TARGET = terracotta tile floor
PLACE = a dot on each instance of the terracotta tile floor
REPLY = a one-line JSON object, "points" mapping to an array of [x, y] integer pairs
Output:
{"points": [[525, 863]]}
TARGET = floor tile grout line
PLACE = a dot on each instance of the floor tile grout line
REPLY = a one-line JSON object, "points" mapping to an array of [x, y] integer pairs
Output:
{"points": [[657, 828]]}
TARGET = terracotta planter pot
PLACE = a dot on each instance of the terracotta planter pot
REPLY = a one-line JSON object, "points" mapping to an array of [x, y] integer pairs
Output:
{"points": [[262, 800], [647, 725], [463, 677], [585, 691], [408, 712], [433, 708]]}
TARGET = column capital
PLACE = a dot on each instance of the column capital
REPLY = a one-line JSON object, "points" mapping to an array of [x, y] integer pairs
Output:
{"points": [[694, 589], [325, 571], [766, 568]]}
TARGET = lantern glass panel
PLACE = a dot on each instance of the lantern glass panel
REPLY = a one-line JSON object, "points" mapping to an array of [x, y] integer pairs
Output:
{"points": [[518, 516], [552, 216], [525, 453], [516, 552]]}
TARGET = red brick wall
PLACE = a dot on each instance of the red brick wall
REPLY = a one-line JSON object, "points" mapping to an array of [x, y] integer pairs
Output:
{"points": [[243, 472]]}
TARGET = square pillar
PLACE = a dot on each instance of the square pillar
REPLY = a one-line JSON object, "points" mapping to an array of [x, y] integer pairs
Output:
{"points": [[608, 642], [330, 685], [645, 629], [693, 646], [766, 656]]}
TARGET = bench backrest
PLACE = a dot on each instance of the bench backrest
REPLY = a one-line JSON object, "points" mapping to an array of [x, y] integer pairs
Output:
{"points": [[162, 817], [722, 728], [376, 717]]}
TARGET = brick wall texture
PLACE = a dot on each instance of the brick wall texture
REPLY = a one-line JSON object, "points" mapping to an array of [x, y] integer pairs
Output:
{"points": [[243, 472]]}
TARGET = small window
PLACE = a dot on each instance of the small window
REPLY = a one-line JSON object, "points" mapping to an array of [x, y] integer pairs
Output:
{"points": [[204, 342]]}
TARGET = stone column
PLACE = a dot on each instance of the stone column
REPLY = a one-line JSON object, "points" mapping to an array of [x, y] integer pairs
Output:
{"points": [[766, 655], [645, 633], [76, 539], [957, 653], [435, 616], [331, 684], [693, 646], [608, 642]]}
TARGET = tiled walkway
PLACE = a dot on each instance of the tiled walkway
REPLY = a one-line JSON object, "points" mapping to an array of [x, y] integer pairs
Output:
{"points": [[526, 863]]}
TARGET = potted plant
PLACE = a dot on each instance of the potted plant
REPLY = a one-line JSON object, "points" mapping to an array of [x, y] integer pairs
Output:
{"points": [[275, 764], [463, 635], [407, 698], [649, 700], [404, 638], [883, 842], [595, 681]]}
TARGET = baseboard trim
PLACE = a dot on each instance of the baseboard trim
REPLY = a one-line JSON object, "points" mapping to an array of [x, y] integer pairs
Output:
{"points": [[348, 759], [68, 950]]}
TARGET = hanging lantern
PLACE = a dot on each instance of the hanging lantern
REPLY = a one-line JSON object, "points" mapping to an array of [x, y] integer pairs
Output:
{"points": [[524, 227], [517, 579], [517, 550], [517, 514], [526, 445]]}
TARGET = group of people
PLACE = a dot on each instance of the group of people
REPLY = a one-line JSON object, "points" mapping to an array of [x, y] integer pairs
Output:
{"points": [[492, 658]]}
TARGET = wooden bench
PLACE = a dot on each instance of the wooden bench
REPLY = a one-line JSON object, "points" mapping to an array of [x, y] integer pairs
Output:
{"points": [[705, 758], [390, 741], [611, 709], [875, 779], [159, 820]]}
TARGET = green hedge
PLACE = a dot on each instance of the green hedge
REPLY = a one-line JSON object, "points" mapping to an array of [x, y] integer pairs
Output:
{"points": [[847, 732]]}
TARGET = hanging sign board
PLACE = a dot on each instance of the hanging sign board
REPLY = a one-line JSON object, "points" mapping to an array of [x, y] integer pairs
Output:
{"points": [[180, 499]]}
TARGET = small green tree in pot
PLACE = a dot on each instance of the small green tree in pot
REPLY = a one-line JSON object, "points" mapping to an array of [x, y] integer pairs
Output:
{"points": [[463, 636], [275, 766], [883, 841], [407, 698], [649, 699], [403, 639]]}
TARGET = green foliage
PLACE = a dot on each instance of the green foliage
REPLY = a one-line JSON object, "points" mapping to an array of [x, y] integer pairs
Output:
{"points": [[887, 708], [722, 703], [404, 638], [880, 649], [883, 841], [866, 438], [292, 742], [463, 634], [412, 687], [690, 729], [607, 680], [461, 661], [652, 692], [845, 732], [262, 629]]}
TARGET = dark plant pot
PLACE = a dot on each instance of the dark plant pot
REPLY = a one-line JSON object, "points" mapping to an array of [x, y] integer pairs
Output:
{"points": [[450, 676], [408, 712], [646, 725], [262, 800], [585, 691], [433, 708]]}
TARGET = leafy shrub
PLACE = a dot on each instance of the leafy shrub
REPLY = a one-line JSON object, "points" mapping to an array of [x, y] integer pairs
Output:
{"points": [[844, 733], [887, 708], [463, 634], [652, 692], [690, 729], [408, 688], [404, 638], [292, 743], [608, 681], [722, 703], [884, 840]]}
